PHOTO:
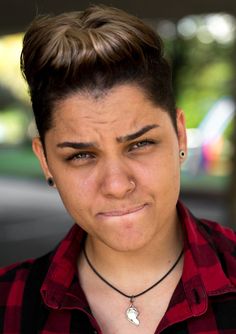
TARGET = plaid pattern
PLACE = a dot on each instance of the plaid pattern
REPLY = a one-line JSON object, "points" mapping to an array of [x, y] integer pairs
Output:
{"points": [[43, 295]]}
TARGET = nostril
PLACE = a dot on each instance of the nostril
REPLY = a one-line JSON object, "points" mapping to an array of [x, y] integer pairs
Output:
{"points": [[132, 185]]}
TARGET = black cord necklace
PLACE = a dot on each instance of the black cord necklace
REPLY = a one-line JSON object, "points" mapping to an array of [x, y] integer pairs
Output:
{"points": [[132, 312]]}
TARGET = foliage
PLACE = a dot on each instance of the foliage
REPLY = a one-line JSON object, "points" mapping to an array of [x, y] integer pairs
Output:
{"points": [[204, 74]]}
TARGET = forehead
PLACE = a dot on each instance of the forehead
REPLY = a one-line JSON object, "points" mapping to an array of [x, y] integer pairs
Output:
{"points": [[120, 109]]}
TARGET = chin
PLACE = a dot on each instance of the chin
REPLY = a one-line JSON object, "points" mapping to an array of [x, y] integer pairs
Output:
{"points": [[128, 243]]}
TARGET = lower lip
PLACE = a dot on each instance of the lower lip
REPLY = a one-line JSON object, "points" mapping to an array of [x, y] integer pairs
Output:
{"points": [[122, 213]]}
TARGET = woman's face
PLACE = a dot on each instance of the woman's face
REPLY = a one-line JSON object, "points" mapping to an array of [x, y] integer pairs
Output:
{"points": [[115, 162]]}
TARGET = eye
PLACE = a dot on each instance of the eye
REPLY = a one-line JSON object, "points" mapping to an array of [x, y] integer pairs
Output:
{"points": [[81, 156], [142, 144]]}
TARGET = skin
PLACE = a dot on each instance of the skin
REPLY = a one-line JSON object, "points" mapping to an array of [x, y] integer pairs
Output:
{"points": [[122, 183]]}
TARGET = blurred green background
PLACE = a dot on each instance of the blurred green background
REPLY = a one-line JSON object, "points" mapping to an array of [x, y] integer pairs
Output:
{"points": [[201, 50]]}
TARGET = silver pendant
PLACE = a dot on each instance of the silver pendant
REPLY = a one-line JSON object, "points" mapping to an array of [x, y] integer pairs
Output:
{"points": [[132, 314]]}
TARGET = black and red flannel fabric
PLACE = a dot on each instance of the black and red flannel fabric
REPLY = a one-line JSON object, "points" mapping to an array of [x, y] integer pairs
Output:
{"points": [[44, 296]]}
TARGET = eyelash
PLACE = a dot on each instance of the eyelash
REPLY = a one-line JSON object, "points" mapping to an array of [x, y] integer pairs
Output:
{"points": [[142, 144], [83, 156]]}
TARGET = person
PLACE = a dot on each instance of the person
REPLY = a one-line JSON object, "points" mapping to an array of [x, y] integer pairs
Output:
{"points": [[111, 141]]}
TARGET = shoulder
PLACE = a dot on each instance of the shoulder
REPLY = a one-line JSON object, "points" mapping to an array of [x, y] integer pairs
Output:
{"points": [[17, 272], [15, 278], [223, 242], [221, 237], [12, 285], [11, 270]]}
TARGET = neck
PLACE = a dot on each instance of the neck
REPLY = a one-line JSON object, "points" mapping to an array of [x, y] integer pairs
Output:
{"points": [[145, 264]]}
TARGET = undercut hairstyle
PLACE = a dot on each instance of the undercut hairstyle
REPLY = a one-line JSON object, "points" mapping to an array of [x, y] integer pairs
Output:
{"points": [[90, 52]]}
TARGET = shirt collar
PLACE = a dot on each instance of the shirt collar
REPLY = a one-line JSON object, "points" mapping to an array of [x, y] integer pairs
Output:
{"points": [[60, 288]]}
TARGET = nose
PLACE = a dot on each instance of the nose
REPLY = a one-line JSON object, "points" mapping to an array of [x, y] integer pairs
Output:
{"points": [[117, 179]]}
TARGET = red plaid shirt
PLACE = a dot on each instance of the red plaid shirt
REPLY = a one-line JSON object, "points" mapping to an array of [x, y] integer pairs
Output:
{"points": [[44, 296]]}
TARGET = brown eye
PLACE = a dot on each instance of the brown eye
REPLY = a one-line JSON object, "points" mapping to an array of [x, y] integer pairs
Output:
{"points": [[141, 144], [82, 156]]}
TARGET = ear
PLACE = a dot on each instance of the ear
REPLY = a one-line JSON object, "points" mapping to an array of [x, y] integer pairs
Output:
{"points": [[40, 154], [181, 128]]}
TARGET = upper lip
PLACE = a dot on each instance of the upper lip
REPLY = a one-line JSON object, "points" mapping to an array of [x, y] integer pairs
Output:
{"points": [[122, 211]]}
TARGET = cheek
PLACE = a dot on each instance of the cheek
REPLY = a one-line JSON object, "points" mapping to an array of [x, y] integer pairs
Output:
{"points": [[162, 167], [161, 178], [76, 191]]}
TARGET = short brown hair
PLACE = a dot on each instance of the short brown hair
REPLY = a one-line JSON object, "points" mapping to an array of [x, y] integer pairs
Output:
{"points": [[92, 50]]}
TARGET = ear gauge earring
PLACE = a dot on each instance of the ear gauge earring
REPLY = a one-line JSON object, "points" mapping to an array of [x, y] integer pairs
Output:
{"points": [[50, 181], [182, 154]]}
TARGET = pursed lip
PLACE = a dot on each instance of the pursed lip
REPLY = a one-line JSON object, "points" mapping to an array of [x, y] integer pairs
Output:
{"points": [[122, 212]]}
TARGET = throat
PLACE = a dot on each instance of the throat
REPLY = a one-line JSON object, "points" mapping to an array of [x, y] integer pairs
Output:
{"points": [[132, 311], [116, 313]]}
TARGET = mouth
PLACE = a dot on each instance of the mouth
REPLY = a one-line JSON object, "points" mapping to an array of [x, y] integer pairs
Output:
{"points": [[122, 212]]}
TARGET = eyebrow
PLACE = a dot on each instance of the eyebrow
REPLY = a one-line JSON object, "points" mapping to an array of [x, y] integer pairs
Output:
{"points": [[76, 145], [136, 134], [121, 139]]}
